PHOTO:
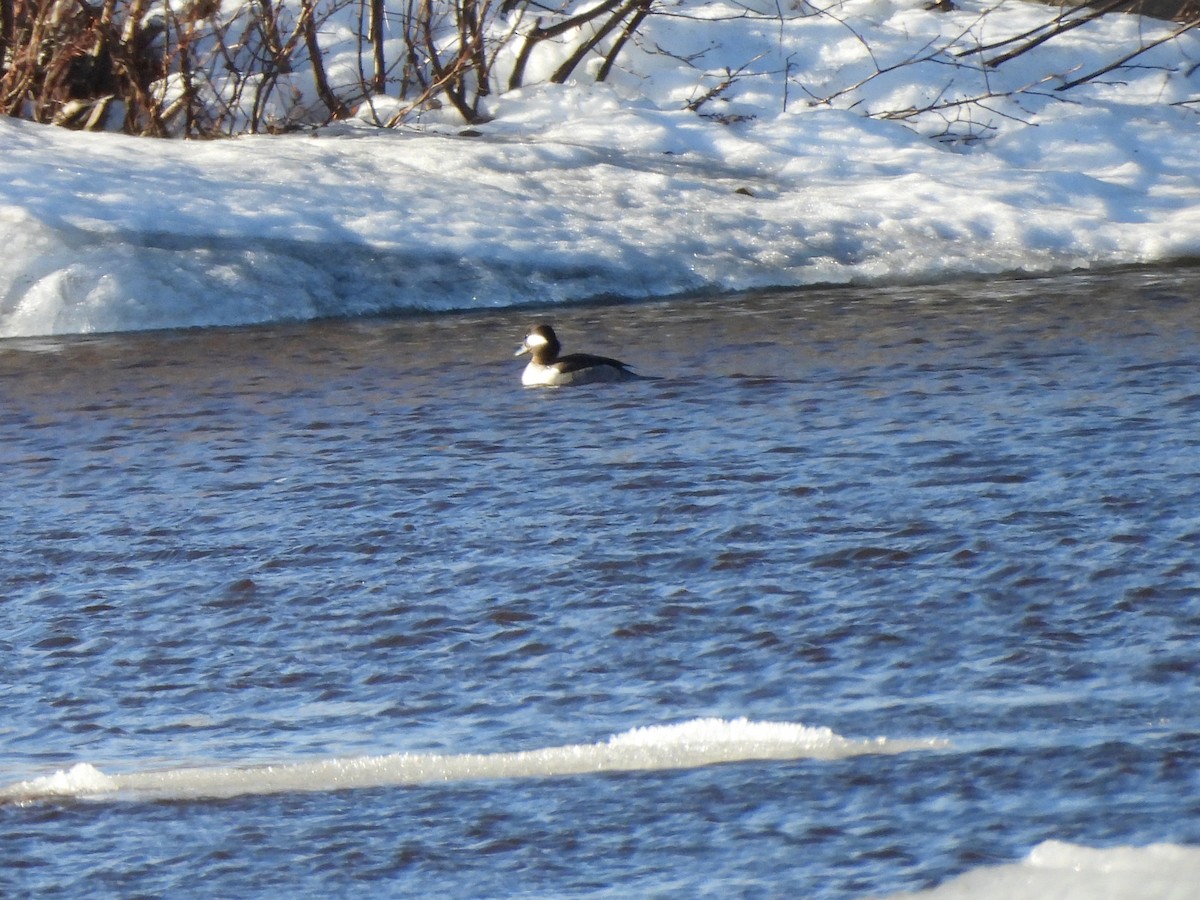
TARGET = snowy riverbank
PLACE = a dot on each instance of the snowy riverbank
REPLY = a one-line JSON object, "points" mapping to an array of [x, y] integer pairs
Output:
{"points": [[584, 190]]}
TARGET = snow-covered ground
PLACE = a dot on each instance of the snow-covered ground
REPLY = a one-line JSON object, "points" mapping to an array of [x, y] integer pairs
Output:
{"points": [[1074, 872], [798, 172]]}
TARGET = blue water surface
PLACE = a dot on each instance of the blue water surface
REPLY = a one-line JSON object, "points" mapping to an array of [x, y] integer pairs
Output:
{"points": [[968, 512]]}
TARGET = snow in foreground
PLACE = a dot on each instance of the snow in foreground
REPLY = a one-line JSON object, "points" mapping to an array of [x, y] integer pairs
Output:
{"points": [[584, 190], [1073, 872]]}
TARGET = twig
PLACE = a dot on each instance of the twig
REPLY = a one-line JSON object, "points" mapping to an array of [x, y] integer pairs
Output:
{"points": [[1060, 23], [1063, 27], [1124, 59]]}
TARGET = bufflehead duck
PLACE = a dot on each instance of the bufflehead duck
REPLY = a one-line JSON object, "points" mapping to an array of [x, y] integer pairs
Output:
{"points": [[548, 368]]}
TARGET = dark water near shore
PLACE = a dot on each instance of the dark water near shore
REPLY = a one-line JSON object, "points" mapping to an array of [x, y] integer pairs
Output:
{"points": [[969, 513]]}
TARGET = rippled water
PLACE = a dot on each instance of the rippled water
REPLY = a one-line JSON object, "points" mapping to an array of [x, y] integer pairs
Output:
{"points": [[968, 513]]}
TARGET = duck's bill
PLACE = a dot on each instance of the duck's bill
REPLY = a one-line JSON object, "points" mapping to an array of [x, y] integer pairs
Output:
{"points": [[521, 350]]}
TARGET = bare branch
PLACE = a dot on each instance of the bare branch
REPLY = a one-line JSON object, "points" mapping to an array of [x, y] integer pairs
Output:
{"points": [[1124, 59]]}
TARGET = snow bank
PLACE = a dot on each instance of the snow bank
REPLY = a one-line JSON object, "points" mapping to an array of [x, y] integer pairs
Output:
{"points": [[1068, 871], [796, 173]]}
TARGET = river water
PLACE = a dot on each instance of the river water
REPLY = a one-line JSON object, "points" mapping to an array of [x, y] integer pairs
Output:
{"points": [[873, 587]]}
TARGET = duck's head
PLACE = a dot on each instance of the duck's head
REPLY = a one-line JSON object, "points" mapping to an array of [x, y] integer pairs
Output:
{"points": [[541, 342]]}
